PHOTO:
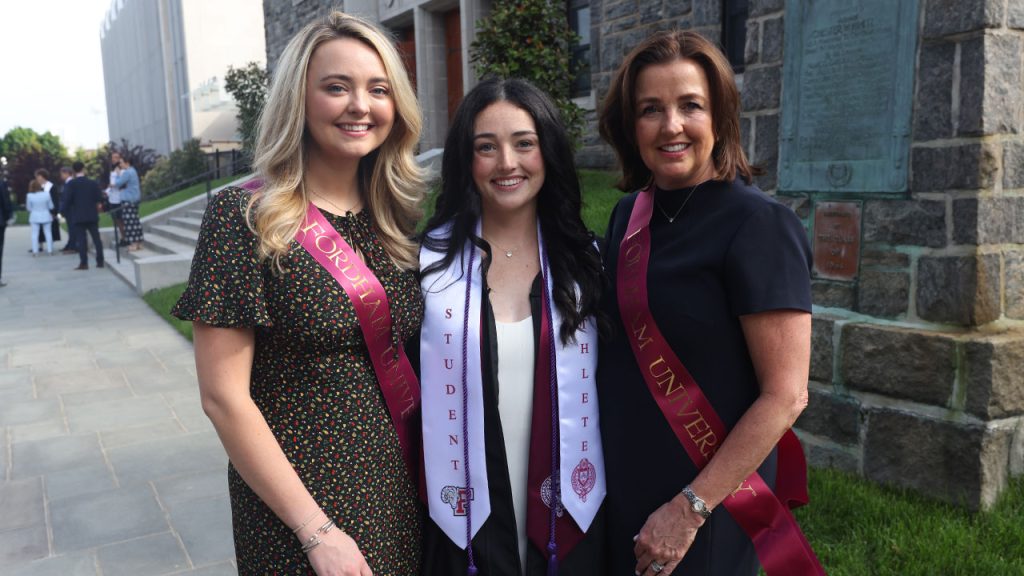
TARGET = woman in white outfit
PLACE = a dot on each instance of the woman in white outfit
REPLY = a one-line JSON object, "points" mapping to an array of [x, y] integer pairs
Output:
{"points": [[39, 204]]}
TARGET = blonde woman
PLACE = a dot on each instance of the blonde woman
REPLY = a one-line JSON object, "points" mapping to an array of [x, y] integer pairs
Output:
{"points": [[300, 294]]}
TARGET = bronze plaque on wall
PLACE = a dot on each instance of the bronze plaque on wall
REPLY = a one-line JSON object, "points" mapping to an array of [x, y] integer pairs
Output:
{"points": [[836, 240], [848, 86]]}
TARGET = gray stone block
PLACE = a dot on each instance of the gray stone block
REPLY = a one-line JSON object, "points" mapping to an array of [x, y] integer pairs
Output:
{"points": [[139, 434], [994, 377], [905, 222], [651, 12], [833, 294], [106, 518], [883, 293], [76, 482], [822, 347], [178, 490], [960, 463], [965, 221], [140, 463], [832, 416], [29, 412], [766, 145], [934, 102], [205, 529], [157, 554], [23, 545], [990, 81], [761, 88], [965, 166], [615, 10], [827, 457], [772, 40], [1013, 164], [37, 457], [746, 125], [222, 569], [707, 13], [762, 7], [944, 17], [1014, 282], [677, 8], [115, 414], [1001, 220], [959, 289], [898, 362], [77, 564], [1015, 15], [21, 504], [884, 259], [752, 49]]}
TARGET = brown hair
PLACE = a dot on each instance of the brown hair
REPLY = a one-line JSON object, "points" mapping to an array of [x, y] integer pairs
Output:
{"points": [[618, 114]]}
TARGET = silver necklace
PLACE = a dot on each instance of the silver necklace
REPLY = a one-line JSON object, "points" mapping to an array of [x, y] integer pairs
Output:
{"points": [[673, 217], [336, 207], [508, 251]]}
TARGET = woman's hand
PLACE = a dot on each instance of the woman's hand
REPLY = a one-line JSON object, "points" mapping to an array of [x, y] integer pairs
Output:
{"points": [[338, 555], [665, 537]]}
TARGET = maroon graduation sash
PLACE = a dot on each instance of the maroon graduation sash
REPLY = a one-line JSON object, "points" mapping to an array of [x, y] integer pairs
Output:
{"points": [[781, 546], [395, 376]]}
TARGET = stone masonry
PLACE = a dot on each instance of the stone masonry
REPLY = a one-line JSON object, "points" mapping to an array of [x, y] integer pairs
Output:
{"points": [[917, 377]]}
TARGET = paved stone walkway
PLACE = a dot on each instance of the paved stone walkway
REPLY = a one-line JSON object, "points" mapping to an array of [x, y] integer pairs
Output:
{"points": [[108, 465]]}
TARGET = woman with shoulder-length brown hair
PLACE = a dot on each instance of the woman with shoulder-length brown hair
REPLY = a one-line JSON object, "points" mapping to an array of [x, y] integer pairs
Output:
{"points": [[301, 293], [707, 367]]}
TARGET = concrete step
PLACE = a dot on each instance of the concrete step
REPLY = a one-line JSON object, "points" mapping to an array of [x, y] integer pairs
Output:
{"points": [[175, 233], [159, 244], [186, 222], [196, 213]]}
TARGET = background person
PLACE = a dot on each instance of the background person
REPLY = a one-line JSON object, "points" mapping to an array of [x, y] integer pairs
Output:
{"points": [[284, 370], [131, 194], [39, 206], [66, 174], [6, 218], [722, 294], [508, 245], [42, 176], [114, 197], [81, 206]]}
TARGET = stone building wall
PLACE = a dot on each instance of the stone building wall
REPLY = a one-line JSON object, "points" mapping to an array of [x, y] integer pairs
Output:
{"points": [[917, 372], [917, 376]]}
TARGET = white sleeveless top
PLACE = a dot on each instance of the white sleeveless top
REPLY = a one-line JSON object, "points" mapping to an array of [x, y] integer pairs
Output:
{"points": [[515, 407]]}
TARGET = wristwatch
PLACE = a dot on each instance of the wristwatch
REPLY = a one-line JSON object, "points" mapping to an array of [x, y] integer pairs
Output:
{"points": [[696, 503]]}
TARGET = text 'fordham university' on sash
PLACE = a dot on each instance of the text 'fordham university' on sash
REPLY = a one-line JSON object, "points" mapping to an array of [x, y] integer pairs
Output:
{"points": [[780, 545], [394, 373]]}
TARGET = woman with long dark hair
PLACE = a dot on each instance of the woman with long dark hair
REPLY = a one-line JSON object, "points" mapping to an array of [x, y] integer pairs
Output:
{"points": [[511, 279]]}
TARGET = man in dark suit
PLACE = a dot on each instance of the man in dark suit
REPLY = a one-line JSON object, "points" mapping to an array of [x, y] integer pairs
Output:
{"points": [[81, 204], [6, 214]]}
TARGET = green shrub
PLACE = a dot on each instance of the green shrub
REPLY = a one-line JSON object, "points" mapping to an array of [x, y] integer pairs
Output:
{"points": [[531, 39], [183, 164]]}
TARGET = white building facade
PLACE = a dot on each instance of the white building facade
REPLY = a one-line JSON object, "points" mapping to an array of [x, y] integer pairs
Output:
{"points": [[164, 63]]}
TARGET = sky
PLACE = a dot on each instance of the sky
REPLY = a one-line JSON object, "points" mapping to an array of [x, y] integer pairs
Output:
{"points": [[51, 69]]}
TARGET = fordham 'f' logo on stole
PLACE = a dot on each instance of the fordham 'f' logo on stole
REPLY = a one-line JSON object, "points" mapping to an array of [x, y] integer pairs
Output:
{"points": [[456, 497]]}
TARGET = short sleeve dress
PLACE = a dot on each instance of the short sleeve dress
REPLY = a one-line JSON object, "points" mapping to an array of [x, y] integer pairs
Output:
{"points": [[732, 251], [313, 380]]}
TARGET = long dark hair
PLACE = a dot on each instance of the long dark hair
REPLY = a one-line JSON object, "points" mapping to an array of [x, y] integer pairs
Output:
{"points": [[572, 256]]}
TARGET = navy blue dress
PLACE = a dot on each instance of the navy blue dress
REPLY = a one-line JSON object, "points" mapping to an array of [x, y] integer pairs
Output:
{"points": [[732, 251]]}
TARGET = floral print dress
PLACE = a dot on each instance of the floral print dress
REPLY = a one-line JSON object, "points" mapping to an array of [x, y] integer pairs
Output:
{"points": [[314, 383]]}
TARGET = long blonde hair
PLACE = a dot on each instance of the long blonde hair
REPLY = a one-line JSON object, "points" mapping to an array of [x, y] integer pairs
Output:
{"points": [[392, 180]]}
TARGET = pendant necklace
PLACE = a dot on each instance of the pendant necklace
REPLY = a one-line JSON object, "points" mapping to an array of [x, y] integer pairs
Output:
{"points": [[336, 207], [673, 217]]}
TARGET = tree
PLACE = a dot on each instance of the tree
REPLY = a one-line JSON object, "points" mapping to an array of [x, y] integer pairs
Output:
{"points": [[248, 86], [142, 158], [531, 39], [183, 165], [19, 138], [26, 151]]}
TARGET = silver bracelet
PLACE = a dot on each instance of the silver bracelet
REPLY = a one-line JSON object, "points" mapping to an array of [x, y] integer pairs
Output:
{"points": [[315, 540], [307, 521]]}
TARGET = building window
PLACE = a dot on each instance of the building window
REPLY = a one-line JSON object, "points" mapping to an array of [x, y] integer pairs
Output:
{"points": [[734, 31], [579, 60]]}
